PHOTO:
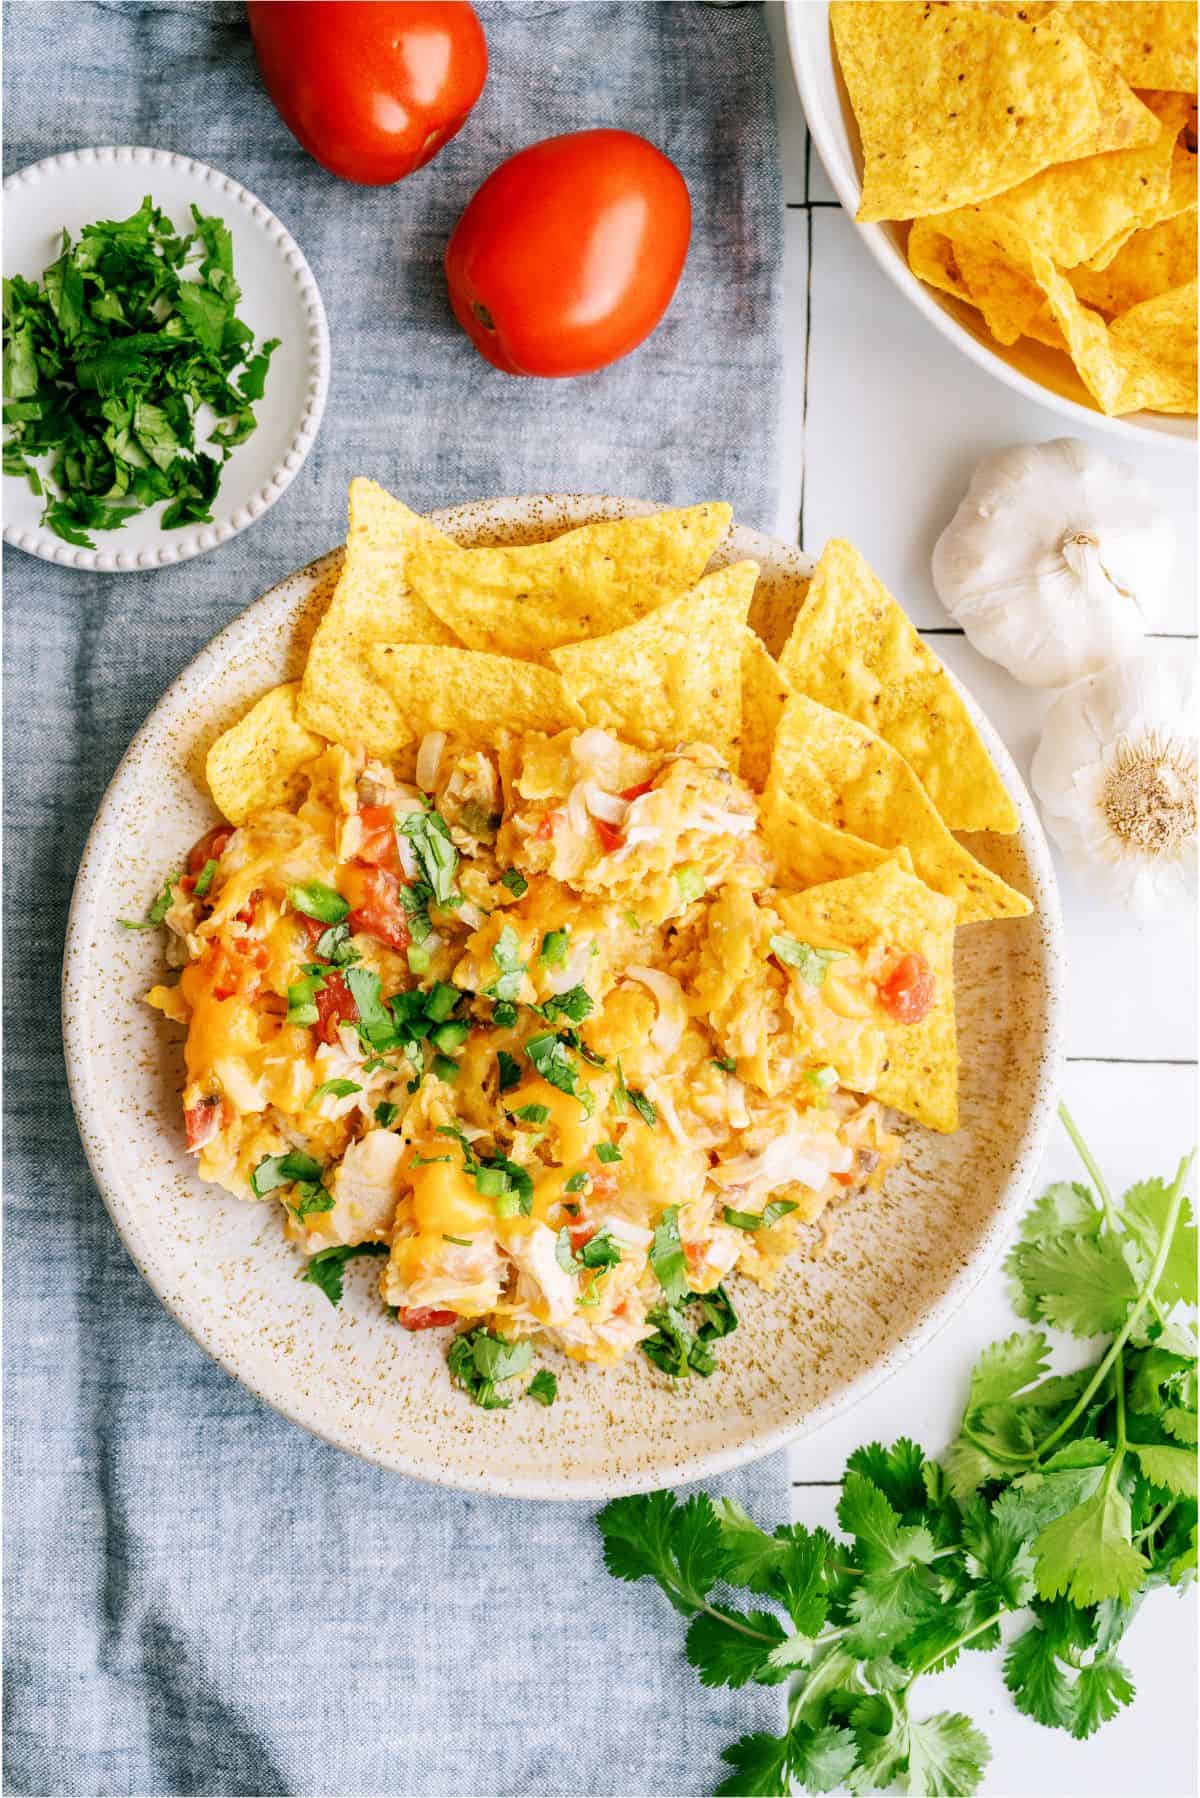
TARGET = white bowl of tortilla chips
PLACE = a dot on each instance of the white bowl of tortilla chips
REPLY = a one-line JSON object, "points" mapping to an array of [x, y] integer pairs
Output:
{"points": [[842, 808], [964, 199]]}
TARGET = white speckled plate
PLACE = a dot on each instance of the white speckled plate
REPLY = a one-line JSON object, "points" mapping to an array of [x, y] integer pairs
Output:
{"points": [[897, 1267], [279, 299]]}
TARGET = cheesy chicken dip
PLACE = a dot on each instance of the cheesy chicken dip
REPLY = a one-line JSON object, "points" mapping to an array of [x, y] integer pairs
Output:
{"points": [[549, 1020]]}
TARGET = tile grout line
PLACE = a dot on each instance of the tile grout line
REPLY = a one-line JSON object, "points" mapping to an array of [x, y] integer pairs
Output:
{"points": [[1132, 1061], [808, 264]]}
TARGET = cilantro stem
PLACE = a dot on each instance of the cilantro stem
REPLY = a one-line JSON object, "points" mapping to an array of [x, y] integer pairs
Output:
{"points": [[743, 1629], [1133, 1319], [958, 1642], [1088, 1160], [1156, 1522]]}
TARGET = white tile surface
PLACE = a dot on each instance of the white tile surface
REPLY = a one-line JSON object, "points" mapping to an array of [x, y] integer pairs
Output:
{"points": [[884, 420]]}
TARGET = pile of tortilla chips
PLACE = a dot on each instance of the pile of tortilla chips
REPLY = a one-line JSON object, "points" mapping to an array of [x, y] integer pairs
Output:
{"points": [[860, 747], [1046, 154]]}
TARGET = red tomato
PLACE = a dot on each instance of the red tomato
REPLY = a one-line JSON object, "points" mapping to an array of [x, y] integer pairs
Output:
{"points": [[375, 906], [210, 848], [373, 90], [378, 846], [546, 826], [581, 1235], [568, 255], [610, 837], [335, 1005], [202, 1122], [632, 793], [907, 993], [421, 1317]]}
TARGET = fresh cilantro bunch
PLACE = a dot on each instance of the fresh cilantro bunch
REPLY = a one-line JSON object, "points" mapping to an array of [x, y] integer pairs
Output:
{"points": [[1064, 1498], [107, 360]]}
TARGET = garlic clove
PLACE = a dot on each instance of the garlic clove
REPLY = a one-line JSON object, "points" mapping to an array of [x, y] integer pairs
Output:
{"points": [[1057, 561], [1115, 773]]}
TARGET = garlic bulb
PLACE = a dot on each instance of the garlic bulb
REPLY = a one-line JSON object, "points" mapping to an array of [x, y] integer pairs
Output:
{"points": [[1056, 562], [1116, 775]]}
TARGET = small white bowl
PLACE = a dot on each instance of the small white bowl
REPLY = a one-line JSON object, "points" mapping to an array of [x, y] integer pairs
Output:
{"points": [[1031, 368], [279, 299], [837, 1325]]}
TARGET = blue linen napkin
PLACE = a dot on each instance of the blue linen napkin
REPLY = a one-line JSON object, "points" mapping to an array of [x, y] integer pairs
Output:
{"points": [[202, 1598]]}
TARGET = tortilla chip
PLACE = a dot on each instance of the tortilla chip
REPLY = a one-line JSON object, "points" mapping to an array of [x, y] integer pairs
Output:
{"points": [[1012, 306], [1150, 263], [254, 766], [467, 691], [1152, 44], [955, 104], [774, 607], [854, 650], [372, 603], [843, 775], [1146, 359], [934, 259], [920, 1076], [1074, 209], [674, 676], [525, 600], [1155, 343], [807, 851], [764, 694]]}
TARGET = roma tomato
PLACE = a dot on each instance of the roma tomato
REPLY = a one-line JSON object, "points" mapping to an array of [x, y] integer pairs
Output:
{"points": [[371, 88], [568, 255]]}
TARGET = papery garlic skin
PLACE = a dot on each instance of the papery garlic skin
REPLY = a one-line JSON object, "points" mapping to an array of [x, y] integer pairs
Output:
{"points": [[1056, 562], [1115, 772]]}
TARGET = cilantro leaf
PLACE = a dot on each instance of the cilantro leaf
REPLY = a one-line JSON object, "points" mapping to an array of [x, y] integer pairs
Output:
{"points": [[481, 1360], [677, 1545], [760, 1768], [327, 1268], [1144, 1212], [436, 855], [725, 1656], [1172, 1468], [1080, 1284], [1087, 1553], [543, 1387], [668, 1259], [946, 1754]]}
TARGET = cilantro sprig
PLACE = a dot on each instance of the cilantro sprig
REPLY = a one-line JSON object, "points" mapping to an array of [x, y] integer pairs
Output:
{"points": [[1063, 1498], [108, 359]]}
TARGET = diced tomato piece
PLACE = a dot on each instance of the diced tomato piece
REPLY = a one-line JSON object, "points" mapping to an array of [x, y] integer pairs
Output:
{"points": [[202, 1122], [546, 826], [907, 993], [378, 846], [210, 848], [632, 793], [246, 915], [610, 837], [235, 968], [422, 1317], [581, 1234], [375, 905], [312, 927], [335, 1005]]}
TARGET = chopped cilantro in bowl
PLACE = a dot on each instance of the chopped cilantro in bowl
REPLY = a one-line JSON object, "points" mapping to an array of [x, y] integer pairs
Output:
{"points": [[129, 378]]}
